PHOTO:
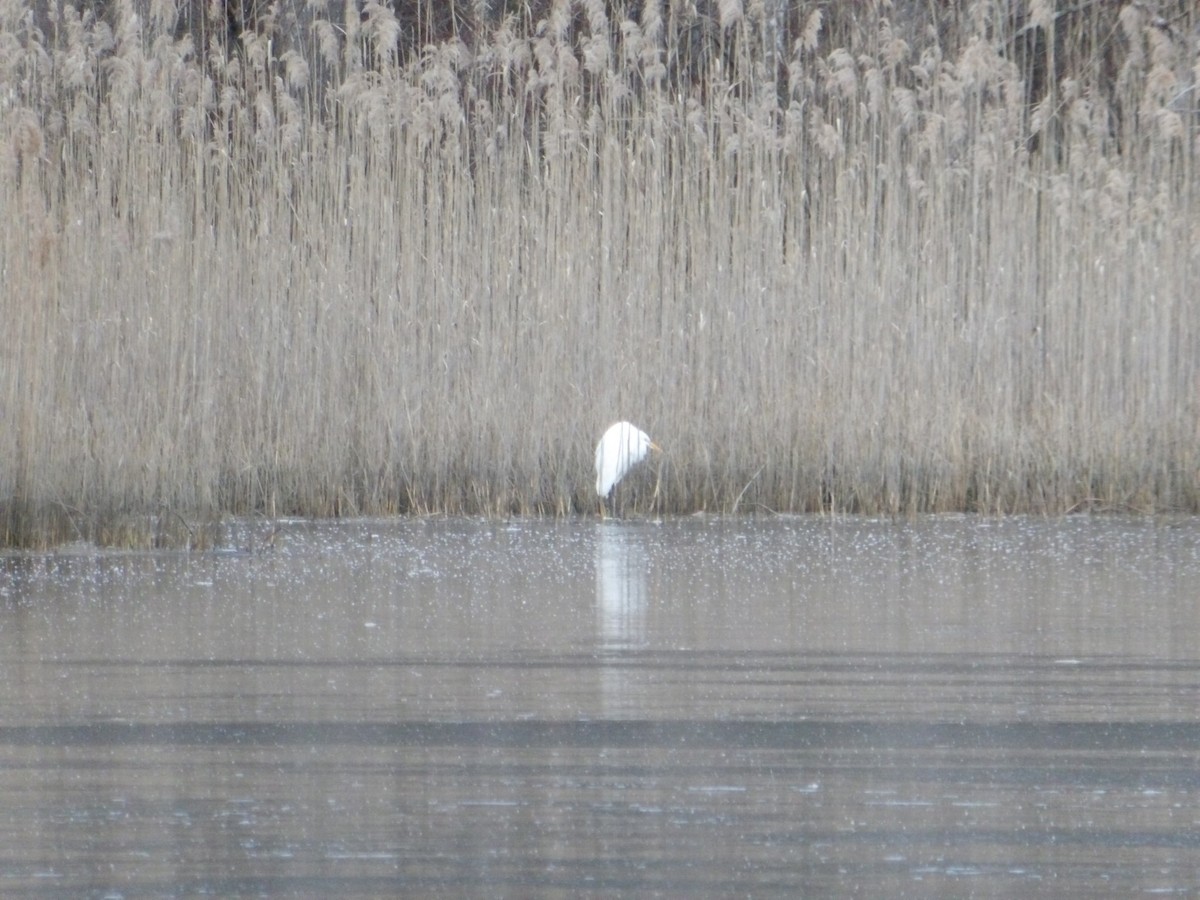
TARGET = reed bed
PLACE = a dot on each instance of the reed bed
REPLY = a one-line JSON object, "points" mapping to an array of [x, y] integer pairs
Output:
{"points": [[878, 264]]}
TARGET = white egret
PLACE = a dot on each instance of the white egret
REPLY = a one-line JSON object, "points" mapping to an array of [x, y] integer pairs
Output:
{"points": [[622, 447]]}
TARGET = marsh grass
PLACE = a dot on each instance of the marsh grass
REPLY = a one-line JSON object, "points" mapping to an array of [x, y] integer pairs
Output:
{"points": [[842, 271]]}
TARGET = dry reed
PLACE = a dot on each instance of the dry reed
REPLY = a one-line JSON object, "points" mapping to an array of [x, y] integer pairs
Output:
{"points": [[845, 270]]}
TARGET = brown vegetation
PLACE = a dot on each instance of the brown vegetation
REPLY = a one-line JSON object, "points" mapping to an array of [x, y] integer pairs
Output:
{"points": [[852, 257]]}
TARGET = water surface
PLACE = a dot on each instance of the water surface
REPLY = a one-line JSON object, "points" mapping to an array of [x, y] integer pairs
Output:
{"points": [[695, 707]]}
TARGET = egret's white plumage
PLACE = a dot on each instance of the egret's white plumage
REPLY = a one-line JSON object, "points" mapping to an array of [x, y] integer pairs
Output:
{"points": [[622, 447]]}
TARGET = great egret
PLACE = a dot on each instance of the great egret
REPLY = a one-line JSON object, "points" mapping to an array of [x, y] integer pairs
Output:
{"points": [[622, 447]]}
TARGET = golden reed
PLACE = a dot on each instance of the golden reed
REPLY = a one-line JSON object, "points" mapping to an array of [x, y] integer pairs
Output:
{"points": [[867, 265]]}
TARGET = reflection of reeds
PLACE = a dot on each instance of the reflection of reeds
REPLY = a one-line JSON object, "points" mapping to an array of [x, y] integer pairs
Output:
{"points": [[892, 279]]}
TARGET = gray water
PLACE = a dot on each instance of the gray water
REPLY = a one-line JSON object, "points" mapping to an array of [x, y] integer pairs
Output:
{"points": [[800, 706]]}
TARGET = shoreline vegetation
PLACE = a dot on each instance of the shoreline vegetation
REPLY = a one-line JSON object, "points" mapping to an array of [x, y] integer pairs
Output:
{"points": [[332, 259]]}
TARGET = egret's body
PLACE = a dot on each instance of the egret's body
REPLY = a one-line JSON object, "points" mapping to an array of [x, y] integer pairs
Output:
{"points": [[622, 447]]}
